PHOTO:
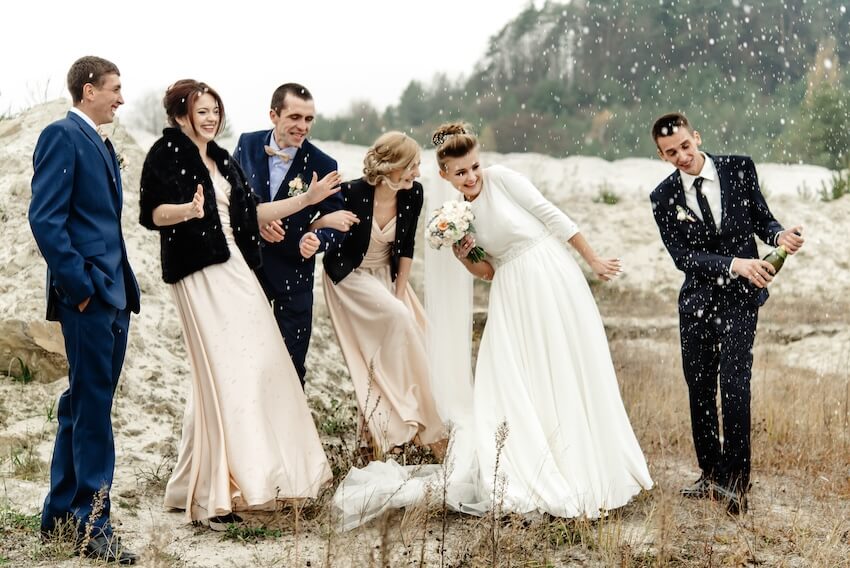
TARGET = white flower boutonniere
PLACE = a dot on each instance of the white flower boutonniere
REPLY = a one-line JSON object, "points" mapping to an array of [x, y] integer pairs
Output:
{"points": [[683, 215], [297, 186]]}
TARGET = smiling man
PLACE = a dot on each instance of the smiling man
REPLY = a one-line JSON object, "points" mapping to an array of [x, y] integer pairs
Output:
{"points": [[708, 212], [75, 216], [280, 163]]}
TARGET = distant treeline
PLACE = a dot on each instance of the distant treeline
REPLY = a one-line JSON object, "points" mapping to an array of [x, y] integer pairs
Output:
{"points": [[589, 77]]}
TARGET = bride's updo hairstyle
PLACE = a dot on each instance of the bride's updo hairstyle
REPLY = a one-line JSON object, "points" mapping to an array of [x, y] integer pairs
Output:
{"points": [[391, 151], [453, 140]]}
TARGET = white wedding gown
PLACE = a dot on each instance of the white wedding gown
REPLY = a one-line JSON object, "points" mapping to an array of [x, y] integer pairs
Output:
{"points": [[543, 369]]}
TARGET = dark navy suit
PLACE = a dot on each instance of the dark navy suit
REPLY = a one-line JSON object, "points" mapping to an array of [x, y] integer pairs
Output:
{"points": [[717, 312], [285, 275], [75, 216]]}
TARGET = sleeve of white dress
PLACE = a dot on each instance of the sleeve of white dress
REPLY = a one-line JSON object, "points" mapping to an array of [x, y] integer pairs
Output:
{"points": [[523, 192]]}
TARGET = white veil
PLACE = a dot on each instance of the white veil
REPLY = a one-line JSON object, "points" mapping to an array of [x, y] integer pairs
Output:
{"points": [[448, 304]]}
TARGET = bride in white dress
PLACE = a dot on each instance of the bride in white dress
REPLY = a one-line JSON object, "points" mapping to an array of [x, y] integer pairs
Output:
{"points": [[544, 371]]}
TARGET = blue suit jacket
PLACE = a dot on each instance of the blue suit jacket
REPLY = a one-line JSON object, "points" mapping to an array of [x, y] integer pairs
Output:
{"points": [[705, 256], [75, 216], [284, 270]]}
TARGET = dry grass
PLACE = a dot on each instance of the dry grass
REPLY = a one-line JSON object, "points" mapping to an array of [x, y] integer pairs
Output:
{"points": [[799, 508]]}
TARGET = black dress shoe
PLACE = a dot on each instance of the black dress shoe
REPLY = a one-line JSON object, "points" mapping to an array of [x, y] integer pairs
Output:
{"points": [[701, 489], [108, 549], [221, 523], [734, 499]]}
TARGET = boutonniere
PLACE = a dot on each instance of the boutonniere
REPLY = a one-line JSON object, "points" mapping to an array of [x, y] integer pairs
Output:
{"points": [[683, 215], [123, 162], [297, 186]]}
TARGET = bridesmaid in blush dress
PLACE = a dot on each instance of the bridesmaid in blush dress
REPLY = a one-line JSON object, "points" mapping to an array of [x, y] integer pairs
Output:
{"points": [[377, 317], [248, 439]]}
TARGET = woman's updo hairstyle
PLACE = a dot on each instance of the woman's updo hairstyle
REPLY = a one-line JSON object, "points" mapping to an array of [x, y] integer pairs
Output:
{"points": [[453, 140], [391, 151], [180, 99]]}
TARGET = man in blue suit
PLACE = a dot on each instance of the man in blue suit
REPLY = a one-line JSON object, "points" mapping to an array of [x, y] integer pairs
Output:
{"points": [[280, 163], [75, 216], [707, 212]]}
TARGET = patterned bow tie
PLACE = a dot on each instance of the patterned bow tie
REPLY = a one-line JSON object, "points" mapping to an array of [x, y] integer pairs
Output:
{"points": [[279, 153]]}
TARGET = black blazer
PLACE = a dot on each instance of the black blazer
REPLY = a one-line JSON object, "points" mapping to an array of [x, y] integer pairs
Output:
{"points": [[705, 256], [171, 173], [359, 198]]}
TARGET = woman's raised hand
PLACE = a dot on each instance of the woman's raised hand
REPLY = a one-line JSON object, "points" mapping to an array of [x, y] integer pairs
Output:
{"points": [[321, 189], [197, 204]]}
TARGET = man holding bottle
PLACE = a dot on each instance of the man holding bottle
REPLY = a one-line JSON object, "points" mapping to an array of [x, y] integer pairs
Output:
{"points": [[708, 212]]}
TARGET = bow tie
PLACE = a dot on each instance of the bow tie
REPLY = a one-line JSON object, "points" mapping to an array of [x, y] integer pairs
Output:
{"points": [[279, 153]]}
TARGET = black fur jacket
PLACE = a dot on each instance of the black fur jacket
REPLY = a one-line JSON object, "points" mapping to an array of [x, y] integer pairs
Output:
{"points": [[171, 173]]}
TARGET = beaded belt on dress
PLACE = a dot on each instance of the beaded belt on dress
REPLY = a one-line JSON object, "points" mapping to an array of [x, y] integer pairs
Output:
{"points": [[522, 248]]}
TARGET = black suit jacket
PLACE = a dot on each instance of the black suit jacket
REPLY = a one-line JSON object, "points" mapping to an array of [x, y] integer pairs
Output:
{"points": [[705, 256], [359, 197], [284, 270]]}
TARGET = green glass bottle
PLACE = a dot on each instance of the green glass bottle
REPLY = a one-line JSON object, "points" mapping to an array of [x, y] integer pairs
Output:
{"points": [[777, 257]]}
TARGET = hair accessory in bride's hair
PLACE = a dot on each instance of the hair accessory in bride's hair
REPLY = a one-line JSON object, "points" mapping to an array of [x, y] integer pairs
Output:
{"points": [[440, 137]]}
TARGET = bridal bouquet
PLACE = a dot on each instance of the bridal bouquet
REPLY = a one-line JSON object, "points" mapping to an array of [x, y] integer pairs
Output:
{"points": [[449, 224]]}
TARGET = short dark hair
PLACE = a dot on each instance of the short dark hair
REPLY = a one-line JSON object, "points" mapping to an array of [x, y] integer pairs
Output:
{"points": [[88, 69], [293, 89], [180, 99], [666, 125]]}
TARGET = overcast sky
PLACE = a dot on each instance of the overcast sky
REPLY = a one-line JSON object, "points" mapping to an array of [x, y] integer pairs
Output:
{"points": [[341, 50]]}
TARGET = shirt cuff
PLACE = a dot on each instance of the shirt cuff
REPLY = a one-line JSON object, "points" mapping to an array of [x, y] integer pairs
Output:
{"points": [[732, 273]]}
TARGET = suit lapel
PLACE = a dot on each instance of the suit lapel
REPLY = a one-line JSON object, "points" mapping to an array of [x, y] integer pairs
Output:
{"points": [[263, 170], [109, 160], [298, 168], [679, 198], [679, 194]]}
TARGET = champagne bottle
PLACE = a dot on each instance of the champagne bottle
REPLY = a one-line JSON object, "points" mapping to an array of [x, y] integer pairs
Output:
{"points": [[777, 257]]}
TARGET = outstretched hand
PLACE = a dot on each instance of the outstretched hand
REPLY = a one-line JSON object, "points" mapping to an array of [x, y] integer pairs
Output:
{"points": [[341, 220], [606, 268], [324, 188]]}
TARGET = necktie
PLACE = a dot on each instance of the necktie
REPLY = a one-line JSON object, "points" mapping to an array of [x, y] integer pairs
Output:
{"points": [[704, 208], [279, 153], [109, 146]]}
